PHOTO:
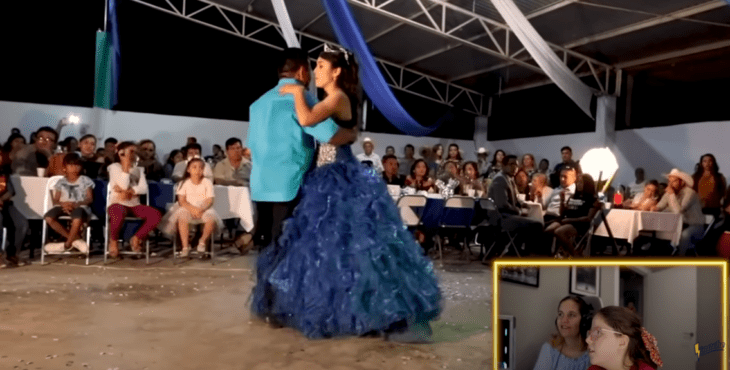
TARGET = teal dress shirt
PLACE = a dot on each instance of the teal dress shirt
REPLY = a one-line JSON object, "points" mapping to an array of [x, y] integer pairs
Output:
{"points": [[281, 149]]}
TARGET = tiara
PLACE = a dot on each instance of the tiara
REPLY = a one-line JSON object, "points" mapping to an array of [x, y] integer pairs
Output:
{"points": [[329, 49]]}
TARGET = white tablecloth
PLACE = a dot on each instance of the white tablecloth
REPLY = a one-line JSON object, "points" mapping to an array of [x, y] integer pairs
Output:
{"points": [[234, 202], [626, 224], [29, 195]]}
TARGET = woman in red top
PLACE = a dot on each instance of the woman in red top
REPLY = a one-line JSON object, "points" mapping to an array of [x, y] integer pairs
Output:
{"points": [[617, 341]]}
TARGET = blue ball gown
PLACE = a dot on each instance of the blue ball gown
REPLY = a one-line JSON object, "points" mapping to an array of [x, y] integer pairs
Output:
{"points": [[345, 263]]}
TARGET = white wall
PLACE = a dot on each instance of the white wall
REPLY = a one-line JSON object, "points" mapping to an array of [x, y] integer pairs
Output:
{"points": [[535, 309], [657, 150]]}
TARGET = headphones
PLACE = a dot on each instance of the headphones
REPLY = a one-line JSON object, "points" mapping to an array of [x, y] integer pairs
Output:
{"points": [[586, 316]]}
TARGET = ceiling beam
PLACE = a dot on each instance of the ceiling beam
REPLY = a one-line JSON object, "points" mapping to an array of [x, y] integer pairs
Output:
{"points": [[396, 26], [688, 12], [550, 8], [313, 21], [675, 54]]}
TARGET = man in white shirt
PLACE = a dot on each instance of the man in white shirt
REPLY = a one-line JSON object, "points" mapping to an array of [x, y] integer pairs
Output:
{"points": [[637, 187], [369, 158], [562, 194], [234, 169], [191, 151]]}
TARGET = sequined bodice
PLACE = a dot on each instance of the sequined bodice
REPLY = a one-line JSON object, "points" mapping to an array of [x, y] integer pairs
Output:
{"points": [[326, 155]]}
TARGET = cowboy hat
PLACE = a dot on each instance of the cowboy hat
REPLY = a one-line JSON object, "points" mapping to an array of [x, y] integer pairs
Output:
{"points": [[368, 140], [682, 176], [482, 150]]}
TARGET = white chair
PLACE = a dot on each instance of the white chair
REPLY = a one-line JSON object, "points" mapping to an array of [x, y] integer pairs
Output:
{"points": [[406, 204], [47, 205], [457, 214], [109, 189]]}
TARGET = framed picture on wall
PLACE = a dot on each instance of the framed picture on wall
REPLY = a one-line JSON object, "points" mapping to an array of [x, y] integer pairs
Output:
{"points": [[524, 275], [585, 281]]}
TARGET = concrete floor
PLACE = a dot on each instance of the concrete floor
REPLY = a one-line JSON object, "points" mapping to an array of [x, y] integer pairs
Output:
{"points": [[128, 315]]}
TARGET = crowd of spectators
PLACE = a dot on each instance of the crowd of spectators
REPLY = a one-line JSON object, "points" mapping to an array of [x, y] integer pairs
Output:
{"points": [[126, 167]]}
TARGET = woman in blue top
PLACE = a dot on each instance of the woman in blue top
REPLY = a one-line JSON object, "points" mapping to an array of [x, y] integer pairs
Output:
{"points": [[345, 265], [567, 350]]}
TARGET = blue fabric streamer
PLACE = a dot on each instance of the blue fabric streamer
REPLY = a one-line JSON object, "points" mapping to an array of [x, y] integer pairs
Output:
{"points": [[349, 35], [113, 29]]}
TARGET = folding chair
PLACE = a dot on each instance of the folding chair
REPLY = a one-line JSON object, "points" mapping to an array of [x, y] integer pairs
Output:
{"points": [[126, 219], [496, 219], [458, 213], [5, 236], [709, 221], [406, 205], [47, 205], [584, 241]]}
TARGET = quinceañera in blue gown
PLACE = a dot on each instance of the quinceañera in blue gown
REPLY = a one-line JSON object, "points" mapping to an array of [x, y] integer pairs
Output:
{"points": [[345, 264]]}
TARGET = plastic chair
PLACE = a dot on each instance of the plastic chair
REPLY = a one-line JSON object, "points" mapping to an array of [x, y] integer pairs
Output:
{"points": [[126, 219], [406, 205], [495, 218], [47, 205], [194, 223], [457, 214]]}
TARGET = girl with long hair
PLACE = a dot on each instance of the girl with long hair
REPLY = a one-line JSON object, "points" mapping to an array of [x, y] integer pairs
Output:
{"points": [[567, 349], [327, 275], [709, 184]]}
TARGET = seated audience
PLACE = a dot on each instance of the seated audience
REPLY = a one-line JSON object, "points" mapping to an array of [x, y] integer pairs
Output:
{"points": [[369, 158], [390, 172], [576, 215], [566, 154], [544, 167], [418, 179], [70, 145], [616, 340], [454, 155], [127, 183], [234, 169], [559, 196], [437, 159], [110, 149], [191, 151], [636, 187], [173, 158], [710, 185], [514, 212], [218, 154], [528, 165], [709, 243], [247, 153], [645, 200], [15, 142], [148, 160], [389, 150], [539, 190], [91, 163], [72, 196], [471, 184], [680, 198], [567, 350], [408, 159], [191, 140], [450, 171], [11, 218], [522, 180], [496, 166], [28, 160], [195, 199]]}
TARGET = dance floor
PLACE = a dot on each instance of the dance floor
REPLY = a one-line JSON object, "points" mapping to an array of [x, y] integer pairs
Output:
{"points": [[194, 316]]}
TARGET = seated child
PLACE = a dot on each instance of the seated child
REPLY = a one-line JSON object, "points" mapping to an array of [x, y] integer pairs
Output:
{"points": [[72, 196], [194, 202]]}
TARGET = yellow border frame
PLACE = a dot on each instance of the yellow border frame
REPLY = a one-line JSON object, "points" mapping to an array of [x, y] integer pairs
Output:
{"points": [[700, 262]]}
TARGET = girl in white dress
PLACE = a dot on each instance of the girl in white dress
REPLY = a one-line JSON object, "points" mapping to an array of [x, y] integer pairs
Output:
{"points": [[194, 203]]}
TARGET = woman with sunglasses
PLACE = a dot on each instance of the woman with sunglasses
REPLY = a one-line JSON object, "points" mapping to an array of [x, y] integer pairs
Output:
{"points": [[617, 341]]}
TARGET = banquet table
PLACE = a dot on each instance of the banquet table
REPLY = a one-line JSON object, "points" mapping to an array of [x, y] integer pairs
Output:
{"points": [[626, 224], [234, 202], [29, 195]]}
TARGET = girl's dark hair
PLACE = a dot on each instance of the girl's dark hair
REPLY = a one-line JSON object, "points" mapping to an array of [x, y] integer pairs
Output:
{"points": [[171, 156], [494, 159], [123, 145], [585, 323], [9, 144], [413, 168], [458, 152], [625, 321], [87, 136], [187, 168], [473, 165], [348, 78], [71, 159], [719, 180]]}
